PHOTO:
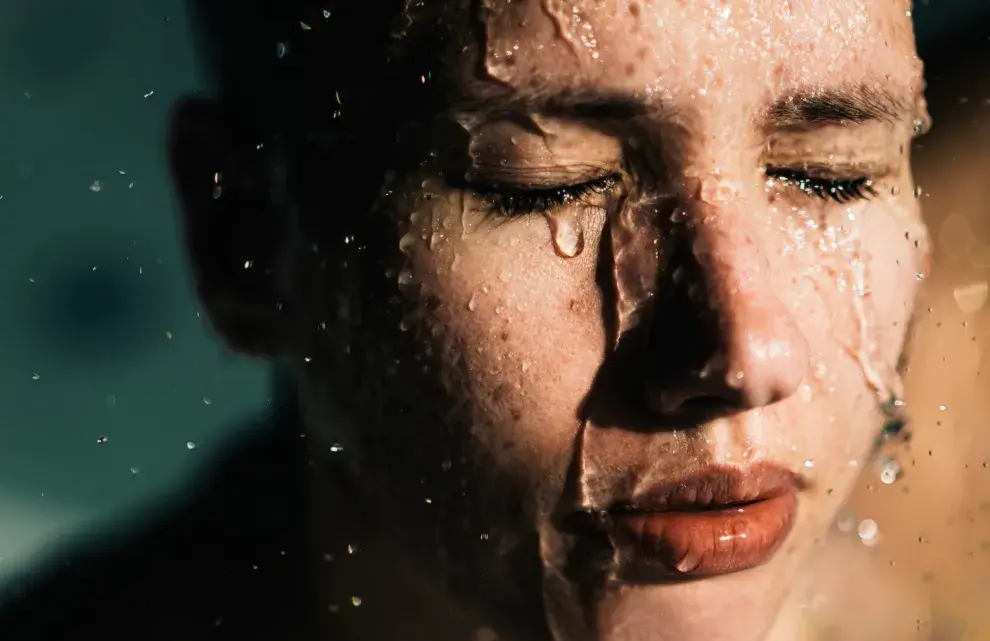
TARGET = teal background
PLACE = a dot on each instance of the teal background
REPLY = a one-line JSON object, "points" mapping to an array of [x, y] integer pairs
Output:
{"points": [[100, 336], [92, 283]]}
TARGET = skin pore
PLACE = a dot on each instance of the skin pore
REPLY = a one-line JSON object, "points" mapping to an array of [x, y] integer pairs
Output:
{"points": [[639, 239]]}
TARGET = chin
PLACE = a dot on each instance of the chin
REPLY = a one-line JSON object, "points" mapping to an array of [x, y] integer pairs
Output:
{"points": [[739, 606]]}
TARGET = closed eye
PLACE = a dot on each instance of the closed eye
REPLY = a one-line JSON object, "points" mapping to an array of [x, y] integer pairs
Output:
{"points": [[512, 200], [840, 190]]}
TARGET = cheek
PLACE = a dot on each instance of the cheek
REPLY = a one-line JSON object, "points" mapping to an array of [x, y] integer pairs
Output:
{"points": [[518, 334], [896, 244]]}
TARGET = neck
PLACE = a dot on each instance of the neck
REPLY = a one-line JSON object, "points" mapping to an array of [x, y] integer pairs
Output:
{"points": [[365, 583]]}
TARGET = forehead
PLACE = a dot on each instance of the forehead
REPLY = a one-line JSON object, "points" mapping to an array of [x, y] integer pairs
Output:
{"points": [[693, 49]]}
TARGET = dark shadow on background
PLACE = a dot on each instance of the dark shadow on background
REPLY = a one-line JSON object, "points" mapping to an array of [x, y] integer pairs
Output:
{"points": [[94, 304]]}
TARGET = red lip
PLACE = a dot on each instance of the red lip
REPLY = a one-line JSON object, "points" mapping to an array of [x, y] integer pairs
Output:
{"points": [[719, 521]]}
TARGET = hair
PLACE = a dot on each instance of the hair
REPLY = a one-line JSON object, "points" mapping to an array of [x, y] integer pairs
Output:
{"points": [[282, 65]]}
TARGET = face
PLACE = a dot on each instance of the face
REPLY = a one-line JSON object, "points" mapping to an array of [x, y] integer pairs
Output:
{"points": [[627, 311]]}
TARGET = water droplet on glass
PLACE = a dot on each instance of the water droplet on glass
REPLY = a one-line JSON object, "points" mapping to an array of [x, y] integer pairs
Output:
{"points": [[111, 400], [868, 531], [280, 50], [971, 298], [207, 400], [352, 548], [336, 447], [135, 470], [102, 440], [35, 376], [355, 601], [96, 186], [845, 521], [890, 471], [190, 445]]}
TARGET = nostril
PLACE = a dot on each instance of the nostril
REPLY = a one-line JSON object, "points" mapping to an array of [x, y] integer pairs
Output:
{"points": [[707, 404], [693, 403]]}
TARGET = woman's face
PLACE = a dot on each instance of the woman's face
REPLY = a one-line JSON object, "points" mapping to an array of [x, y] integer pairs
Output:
{"points": [[656, 266]]}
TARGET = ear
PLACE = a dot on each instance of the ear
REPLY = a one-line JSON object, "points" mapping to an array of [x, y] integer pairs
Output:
{"points": [[230, 232]]}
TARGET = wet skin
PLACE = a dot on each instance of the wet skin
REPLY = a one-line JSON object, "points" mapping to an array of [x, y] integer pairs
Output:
{"points": [[642, 240]]}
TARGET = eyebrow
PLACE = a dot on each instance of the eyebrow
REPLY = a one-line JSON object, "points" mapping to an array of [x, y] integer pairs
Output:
{"points": [[808, 108], [804, 108]]}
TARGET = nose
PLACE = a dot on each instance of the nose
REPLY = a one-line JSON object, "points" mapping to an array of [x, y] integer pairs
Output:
{"points": [[721, 332]]}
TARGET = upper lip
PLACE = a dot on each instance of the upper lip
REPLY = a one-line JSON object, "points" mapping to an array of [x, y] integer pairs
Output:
{"points": [[712, 488]]}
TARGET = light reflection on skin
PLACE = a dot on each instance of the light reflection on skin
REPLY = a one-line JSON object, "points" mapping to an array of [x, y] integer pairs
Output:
{"points": [[686, 107]]}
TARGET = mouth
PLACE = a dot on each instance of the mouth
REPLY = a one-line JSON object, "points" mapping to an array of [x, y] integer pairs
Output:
{"points": [[718, 521]]}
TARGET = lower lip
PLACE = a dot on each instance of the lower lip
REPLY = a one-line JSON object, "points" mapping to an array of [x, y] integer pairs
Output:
{"points": [[705, 543]]}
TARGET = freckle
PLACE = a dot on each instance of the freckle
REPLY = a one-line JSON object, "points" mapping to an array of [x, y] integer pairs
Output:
{"points": [[504, 336], [634, 10], [630, 70], [642, 53], [516, 414], [778, 72]]}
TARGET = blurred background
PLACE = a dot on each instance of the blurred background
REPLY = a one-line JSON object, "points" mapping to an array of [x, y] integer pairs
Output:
{"points": [[112, 389], [114, 392]]}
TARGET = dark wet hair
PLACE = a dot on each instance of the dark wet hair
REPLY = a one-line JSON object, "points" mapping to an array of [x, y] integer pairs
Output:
{"points": [[279, 65]]}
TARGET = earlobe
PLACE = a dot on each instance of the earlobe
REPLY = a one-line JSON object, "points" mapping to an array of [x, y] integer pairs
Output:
{"points": [[231, 234]]}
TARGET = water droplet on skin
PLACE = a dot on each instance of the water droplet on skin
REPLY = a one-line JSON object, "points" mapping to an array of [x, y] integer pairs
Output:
{"points": [[435, 239], [566, 232], [809, 463], [407, 242], [405, 278], [573, 28], [505, 276], [472, 303]]}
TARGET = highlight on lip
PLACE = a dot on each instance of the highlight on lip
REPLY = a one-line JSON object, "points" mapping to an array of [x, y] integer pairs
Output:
{"points": [[719, 521]]}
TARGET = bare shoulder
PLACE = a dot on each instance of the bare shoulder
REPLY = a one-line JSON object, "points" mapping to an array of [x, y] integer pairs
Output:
{"points": [[856, 594]]}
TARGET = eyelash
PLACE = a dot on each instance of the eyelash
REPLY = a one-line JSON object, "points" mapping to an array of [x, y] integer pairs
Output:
{"points": [[514, 202], [839, 190], [520, 202]]}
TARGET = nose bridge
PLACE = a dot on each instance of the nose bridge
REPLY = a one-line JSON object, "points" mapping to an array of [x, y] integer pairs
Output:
{"points": [[762, 353]]}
